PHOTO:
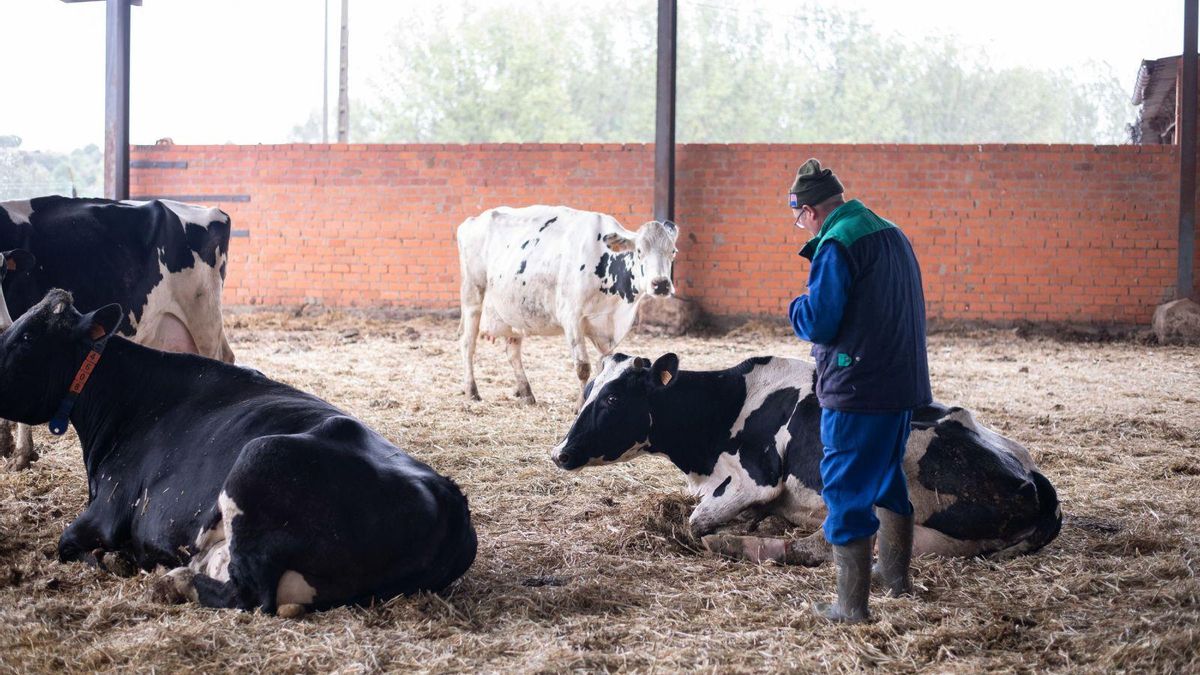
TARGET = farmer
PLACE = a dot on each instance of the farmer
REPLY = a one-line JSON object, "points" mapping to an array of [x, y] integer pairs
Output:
{"points": [[865, 315]]}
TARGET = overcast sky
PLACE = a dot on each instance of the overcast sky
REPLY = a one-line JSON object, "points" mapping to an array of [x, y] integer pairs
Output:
{"points": [[247, 71]]}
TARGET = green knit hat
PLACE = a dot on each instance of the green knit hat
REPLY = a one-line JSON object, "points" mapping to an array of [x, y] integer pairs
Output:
{"points": [[813, 185]]}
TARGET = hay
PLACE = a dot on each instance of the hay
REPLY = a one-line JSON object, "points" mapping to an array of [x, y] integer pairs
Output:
{"points": [[597, 571]]}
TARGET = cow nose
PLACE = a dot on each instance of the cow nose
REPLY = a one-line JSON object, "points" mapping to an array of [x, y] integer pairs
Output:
{"points": [[662, 286]]}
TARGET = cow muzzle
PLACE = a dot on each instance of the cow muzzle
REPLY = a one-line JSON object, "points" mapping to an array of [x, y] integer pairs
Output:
{"points": [[662, 287], [563, 458]]}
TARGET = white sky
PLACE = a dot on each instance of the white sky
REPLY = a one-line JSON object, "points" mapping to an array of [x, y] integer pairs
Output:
{"points": [[247, 71]]}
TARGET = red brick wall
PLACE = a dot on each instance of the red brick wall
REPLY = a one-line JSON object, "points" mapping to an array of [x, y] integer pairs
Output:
{"points": [[1044, 233]]}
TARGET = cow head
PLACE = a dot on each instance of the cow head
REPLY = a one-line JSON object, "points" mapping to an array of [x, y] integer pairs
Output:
{"points": [[614, 423], [41, 352], [12, 264], [653, 249]]}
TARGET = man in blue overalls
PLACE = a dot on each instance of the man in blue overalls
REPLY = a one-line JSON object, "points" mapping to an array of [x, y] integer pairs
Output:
{"points": [[865, 315]]}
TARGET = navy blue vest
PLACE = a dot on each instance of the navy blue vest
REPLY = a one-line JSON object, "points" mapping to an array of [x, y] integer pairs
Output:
{"points": [[877, 360]]}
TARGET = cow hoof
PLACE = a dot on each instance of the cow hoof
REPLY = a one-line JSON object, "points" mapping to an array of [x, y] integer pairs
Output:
{"points": [[472, 393], [174, 587], [291, 611], [22, 460], [115, 563], [525, 397]]}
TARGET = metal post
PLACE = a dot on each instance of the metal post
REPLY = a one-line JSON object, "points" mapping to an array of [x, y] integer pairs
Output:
{"points": [[116, 101], [325, 81], [343, 94], [1187, 155], [664, 118]]}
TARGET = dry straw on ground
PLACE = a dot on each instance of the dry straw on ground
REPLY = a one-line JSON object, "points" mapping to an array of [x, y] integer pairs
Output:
{"points": [[593, 571]]}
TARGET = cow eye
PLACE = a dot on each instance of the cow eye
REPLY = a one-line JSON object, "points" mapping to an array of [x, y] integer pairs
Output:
{"points": [[611, 399], [26, 337]]}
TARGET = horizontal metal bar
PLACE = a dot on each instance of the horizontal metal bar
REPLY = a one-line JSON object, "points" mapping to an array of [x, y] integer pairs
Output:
{"points": [[202, 199], [240, 233], [157, 164]]}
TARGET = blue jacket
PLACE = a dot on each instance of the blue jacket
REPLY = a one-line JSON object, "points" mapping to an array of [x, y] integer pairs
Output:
{"points": [[865, 314]]}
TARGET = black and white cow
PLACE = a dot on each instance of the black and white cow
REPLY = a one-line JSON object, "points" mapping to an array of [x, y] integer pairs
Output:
{"points": [[258, 494], [552, 270], [162, 260], [748, 439]]}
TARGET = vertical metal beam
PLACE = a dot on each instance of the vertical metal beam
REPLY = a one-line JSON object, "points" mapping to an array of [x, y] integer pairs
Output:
{"points": [[116, 101], [343, 93], [1187, 155], [664, 116], [325, 80]]}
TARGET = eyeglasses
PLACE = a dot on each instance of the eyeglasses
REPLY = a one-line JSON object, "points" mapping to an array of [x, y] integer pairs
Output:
{"points": [[796, 223]]}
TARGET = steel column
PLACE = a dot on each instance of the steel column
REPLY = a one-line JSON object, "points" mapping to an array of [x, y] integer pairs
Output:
{"points": [[664, 119], [1187, 156], [116, 101]]}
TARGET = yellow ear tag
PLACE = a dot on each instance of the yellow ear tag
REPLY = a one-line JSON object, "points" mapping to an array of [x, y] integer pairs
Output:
{"points": [[666, 377]]}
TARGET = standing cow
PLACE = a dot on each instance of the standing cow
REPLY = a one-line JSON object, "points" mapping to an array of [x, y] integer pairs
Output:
{"points": [[258, 495], [550, 270], [162, 260], [749, 440]]}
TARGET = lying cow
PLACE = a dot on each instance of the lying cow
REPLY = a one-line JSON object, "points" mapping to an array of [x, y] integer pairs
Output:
{"points": [[748, 439], [269, 496], [551, 270], [162, 260]]}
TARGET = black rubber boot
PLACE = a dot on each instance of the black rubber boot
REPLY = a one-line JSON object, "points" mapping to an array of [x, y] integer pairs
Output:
{"points": [[895, 551], [853, 583]]}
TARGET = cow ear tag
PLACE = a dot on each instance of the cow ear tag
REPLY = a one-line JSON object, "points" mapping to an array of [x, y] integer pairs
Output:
{"points": [[10, 265], [665, 376], [96, 332]]}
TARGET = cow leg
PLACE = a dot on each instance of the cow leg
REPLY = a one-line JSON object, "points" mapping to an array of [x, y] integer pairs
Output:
{"points": [[25, 452], [7, 443], [523, 391], [579, 354], [472, 309], [723, 500], [810, 551]]}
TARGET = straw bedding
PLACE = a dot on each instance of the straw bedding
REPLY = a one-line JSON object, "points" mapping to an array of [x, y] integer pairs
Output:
{"points": [[595, 571]]}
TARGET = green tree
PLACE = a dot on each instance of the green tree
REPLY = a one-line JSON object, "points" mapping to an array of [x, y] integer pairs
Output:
{"points": [[552, 71], [26, 174]]}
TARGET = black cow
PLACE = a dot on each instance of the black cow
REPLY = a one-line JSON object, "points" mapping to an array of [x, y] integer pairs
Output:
{"points": [[164, 261], [748, 439], [268, 495]]}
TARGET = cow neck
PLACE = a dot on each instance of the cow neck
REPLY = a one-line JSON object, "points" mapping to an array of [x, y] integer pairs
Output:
{"points": [[689, 418], [100, 338], [113, 395]]}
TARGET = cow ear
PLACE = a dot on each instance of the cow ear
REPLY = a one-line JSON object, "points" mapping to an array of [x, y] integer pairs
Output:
{"points": [[102, 322], [618, 243], [17, 261], [665, 371]]}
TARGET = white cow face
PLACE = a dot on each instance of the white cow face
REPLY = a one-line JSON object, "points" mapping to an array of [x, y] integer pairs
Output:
{"points": [[653, 255], [12, 263]]}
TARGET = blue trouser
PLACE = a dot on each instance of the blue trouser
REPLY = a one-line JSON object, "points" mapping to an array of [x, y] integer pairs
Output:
{"points": [[863, 468]]}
